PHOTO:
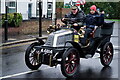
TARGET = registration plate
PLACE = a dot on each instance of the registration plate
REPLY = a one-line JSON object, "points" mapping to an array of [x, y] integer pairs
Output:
{"points": [[46, 51]]}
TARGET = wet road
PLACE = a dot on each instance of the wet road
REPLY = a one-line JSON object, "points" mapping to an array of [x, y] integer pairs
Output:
{"points": [[13, 64]]}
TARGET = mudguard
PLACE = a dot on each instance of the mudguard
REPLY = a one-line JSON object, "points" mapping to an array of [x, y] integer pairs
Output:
{"points": [[40, 41]]}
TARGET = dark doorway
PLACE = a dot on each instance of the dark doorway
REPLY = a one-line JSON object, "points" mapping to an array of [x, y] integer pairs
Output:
{"points": [[29, 11]]}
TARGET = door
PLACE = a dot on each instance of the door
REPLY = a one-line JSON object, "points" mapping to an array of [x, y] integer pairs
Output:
{"points": [[29, 11]]}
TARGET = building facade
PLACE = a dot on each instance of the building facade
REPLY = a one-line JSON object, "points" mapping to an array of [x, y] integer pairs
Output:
{"points": [[28, 8]]}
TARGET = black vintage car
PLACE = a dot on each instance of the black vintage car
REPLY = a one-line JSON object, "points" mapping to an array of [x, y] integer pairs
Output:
{"points": [[63, 46]]}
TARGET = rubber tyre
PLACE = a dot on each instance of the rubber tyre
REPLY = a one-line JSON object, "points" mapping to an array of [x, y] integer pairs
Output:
{"points": [[27, 56], [70, 59], [106, 54]]}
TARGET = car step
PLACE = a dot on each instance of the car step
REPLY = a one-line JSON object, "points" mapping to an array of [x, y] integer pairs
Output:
{"points": [[88, 56]]}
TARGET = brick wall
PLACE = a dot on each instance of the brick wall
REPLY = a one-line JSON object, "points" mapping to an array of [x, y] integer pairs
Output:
{"points": [[59, 12], [62, 11], [65, 11], [27, 27]]}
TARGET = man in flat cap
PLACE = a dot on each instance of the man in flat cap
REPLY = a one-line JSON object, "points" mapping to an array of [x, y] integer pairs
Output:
{"points": [[77, 16]]}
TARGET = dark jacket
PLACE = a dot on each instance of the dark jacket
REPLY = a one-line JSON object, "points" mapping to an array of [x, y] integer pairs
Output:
{"points": [[93, 20], [79, 17]]}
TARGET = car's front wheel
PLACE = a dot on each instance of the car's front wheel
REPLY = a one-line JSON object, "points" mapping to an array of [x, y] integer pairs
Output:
{"points": [[70, 62], [32, 57]]}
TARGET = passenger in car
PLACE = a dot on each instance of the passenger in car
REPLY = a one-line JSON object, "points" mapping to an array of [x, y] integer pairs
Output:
{"points": [[93, 19]]}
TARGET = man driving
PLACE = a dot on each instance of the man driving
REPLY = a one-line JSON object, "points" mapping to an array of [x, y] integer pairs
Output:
{"points": [[76, 16]]}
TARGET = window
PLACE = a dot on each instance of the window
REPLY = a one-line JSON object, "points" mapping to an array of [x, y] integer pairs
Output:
{"points": [[11, 10], [12, 4], [12, 7], [49, 5], [37, 13]]}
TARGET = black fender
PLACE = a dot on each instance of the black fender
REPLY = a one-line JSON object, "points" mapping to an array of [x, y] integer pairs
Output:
{"points": [[75, 45], [36, 45], [40, 41]]}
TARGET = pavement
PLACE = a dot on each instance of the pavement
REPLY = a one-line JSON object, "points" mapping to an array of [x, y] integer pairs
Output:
{"points": [[23, 38]]}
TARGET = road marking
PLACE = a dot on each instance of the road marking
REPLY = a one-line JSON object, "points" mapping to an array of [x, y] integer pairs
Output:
{"points": [[22, 73], [116, 47], [18, 74], [24, 40], [17, 45]]}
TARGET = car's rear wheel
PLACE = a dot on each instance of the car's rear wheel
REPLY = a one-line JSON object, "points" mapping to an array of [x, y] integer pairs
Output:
{"points": [[70, 62], [106, 54]]}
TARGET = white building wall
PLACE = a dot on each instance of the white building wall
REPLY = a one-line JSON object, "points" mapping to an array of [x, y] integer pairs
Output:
{"points": [[2, 6], [25, 3], [44, 8], [34, 8], [22, 7]]}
